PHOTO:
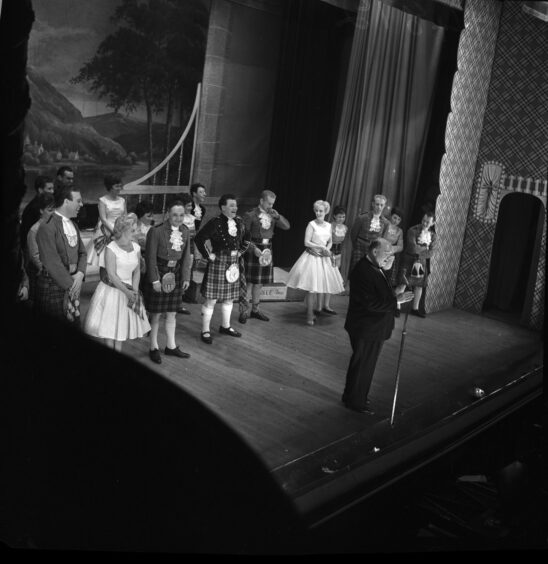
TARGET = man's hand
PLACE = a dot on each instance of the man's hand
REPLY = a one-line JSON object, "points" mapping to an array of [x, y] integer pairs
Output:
{"points": [[74, 290], [257, 252], [211, 257], [186, 284], [157, 286], [404, 297], [23, 293], [274, 214]]}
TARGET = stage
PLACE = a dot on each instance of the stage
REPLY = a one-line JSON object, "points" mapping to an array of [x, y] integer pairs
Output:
{"points": [[279, 387]]}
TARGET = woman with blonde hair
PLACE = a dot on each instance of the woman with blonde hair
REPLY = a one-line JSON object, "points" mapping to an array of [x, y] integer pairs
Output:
{"points": [[116, 311], [314, 271]]}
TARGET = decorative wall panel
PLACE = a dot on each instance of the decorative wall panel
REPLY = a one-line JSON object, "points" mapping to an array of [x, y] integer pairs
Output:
{"points": [[515, 135], [463, 132]]}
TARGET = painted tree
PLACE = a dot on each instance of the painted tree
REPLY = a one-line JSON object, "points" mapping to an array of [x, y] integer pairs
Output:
{"points": [[156, 53]]}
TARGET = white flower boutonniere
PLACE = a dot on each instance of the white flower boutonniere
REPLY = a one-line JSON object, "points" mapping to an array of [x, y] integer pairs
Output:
{"points": [[375, 224], [176, 239], [424, 238], [232, 228], [266, 220]]}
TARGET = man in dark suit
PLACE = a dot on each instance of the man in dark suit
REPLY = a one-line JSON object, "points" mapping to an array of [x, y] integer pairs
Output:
{"points": [[369, 321], [63, 256]]}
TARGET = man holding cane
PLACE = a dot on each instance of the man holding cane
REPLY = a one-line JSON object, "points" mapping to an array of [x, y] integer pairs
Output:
{"points": [[369, 321]]}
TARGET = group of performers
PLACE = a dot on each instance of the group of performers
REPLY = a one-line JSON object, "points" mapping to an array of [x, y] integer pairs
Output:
{"points": [[146, 270]]}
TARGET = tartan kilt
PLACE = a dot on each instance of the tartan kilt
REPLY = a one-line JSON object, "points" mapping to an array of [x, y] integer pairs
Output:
{"points": [[215, 284], [160, 302], [254, 272], [49, 298]]}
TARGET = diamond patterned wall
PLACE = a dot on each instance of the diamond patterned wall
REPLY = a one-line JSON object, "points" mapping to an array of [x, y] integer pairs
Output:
{"points": [[468, 103], [515, 133]]}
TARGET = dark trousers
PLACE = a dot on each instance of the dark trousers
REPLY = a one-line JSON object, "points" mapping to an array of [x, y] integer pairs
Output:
{"points": [[360, 371]]}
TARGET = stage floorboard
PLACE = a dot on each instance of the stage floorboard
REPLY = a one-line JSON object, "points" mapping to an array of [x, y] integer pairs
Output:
{"points": [[279, 386]]}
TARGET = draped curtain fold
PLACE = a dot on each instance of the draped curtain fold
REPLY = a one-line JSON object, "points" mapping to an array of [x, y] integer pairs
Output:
{"points": [[386, 110]]}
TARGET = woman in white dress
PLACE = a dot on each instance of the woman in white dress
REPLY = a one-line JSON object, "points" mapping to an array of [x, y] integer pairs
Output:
{"points": [[116, 311], [314, 271], [111, 206]]}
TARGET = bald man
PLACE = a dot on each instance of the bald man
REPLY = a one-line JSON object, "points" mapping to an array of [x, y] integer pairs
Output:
{"points": [[369, 320]]}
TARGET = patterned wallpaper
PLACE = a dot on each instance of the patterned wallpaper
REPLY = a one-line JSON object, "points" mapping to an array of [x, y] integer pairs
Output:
{"points": [[515, 135], [462, 139]]}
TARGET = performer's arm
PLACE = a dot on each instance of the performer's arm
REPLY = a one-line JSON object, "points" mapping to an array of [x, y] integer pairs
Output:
{"points": [[82, 255], [398, 247], [45, 238], [245, 241], [205, 232], [355, 231], [187, 262], [281, 221], [411, 247], [34, 253], [110, 265], [136, 277], [432, 246], [103, 216], [151, 252]]}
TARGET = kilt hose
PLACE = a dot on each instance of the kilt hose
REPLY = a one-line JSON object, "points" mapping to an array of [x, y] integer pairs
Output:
{"points": [[160, 302], [50, 298], [254, 272], [215, 285]]}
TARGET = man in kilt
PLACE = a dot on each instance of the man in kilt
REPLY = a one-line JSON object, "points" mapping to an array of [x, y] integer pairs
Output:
{"points": [[228, 239], [366, 228], [63, 256], [168, 262], [260, 222]]}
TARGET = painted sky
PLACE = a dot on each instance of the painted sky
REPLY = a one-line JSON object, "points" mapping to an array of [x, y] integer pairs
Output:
{"points": [[65, 35]]}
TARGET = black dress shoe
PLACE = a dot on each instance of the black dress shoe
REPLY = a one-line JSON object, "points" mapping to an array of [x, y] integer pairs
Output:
{"points": [[259, 315], [417, 313], [207, 339], [183, 310], [155, 356], [229, 331], [243, 318], [365, 409], [176, 352], [329, 311]]}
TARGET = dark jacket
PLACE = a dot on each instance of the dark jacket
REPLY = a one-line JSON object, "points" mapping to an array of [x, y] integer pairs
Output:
{"points": [[54, 251], [372, 303], [158, 247]]}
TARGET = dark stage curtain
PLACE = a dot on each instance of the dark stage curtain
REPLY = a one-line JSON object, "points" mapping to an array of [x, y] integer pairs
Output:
{"points": [[516, 241], [315, 46], [392, 114]]}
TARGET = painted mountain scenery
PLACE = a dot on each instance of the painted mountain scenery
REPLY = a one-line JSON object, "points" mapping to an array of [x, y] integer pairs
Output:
{"points": [[112, 84]]}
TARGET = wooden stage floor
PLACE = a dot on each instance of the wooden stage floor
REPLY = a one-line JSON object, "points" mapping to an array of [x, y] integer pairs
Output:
{"points": [[279, 386]]}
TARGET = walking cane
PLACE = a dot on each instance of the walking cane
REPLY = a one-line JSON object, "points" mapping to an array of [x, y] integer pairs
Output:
{"points": [[403, 333]]}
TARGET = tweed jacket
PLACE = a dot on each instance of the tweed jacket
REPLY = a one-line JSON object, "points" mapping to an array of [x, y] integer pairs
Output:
{"points": [[158, 247], [54, 251]]}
